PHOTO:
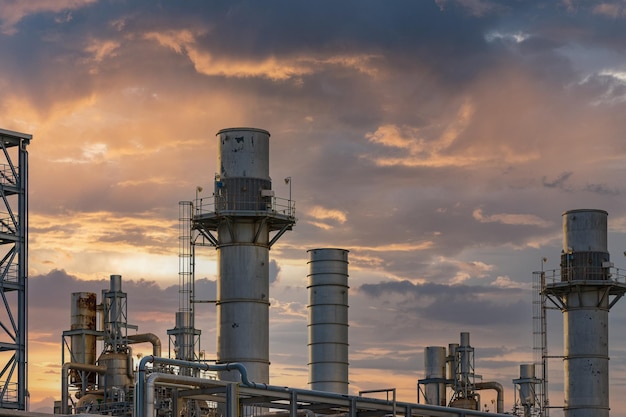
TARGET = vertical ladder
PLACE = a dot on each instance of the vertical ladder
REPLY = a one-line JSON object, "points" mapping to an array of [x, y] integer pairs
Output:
{"points": [[540, 341]]}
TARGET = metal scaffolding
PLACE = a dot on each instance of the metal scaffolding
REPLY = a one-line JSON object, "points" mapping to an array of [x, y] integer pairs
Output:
{"points": [[14, 269]]}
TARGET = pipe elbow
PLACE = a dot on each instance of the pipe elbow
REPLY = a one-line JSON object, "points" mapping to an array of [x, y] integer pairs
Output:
{"points": [[496, 386], [149, 338]]}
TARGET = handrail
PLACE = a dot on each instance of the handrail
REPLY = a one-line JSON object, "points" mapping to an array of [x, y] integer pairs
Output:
{"points": [[227, 203]]}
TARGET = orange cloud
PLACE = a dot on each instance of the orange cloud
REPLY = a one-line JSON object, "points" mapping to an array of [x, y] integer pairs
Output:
{"points": [[273, 68], [421, 146], [513, 219]]}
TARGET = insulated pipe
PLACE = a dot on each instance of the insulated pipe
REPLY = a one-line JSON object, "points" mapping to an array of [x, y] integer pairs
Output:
{"points": [[499, 390], [78, 367], [148, 338]]}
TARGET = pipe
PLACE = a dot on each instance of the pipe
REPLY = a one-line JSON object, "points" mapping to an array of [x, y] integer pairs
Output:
{"points": [[180, 380], [141, 375], [78, 367], [499, 390], [149, 338], [139, 392], [129, 364], [302, 412]]}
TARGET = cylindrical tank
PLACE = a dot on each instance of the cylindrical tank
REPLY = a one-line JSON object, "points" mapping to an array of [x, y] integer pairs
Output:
{"points": [[585, 230], [328, 320], [465, 403], [243, 252], [118, 374], [243, 166], [83, 344], [527, 385], [435, 369], [585, 254]]}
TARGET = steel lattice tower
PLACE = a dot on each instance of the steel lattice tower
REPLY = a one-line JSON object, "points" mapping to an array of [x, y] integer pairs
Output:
{"points": [[14, 269]]}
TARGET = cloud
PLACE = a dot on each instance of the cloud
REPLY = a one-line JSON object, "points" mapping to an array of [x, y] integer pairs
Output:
{"points": [[423, 148], [482, 305], [511, 219], [507, 282], [610, 9], [274, 271], [325, 218], [271, 67], [474, 7], [438, 141], [558, 182], [12, 12]]}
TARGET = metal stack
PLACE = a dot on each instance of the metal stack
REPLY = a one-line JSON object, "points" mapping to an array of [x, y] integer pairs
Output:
{"points": [[328, 320], [585, 294], [243, 212]]}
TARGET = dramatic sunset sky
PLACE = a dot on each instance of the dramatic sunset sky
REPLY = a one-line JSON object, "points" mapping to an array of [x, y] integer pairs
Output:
{"points": [[437, 140]]}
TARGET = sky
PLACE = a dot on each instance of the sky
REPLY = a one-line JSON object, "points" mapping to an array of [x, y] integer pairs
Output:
{"points": [[439, 141]]}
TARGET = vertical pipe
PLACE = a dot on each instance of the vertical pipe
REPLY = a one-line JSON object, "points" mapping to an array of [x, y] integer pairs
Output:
{"points": [[466, 365], [452, 362], [328, 320]]}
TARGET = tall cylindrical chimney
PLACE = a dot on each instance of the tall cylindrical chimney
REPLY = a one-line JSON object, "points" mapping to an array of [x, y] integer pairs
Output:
{"points": [[584, 297], [328, 320], [243, 254], [587, 316], [245, 212]]}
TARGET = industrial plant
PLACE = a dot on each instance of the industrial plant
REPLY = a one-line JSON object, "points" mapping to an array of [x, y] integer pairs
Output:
{"points": [[242, 220]]}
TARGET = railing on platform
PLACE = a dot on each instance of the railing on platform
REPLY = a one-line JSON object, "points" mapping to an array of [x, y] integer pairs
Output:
{"points": [[260, 204]]}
